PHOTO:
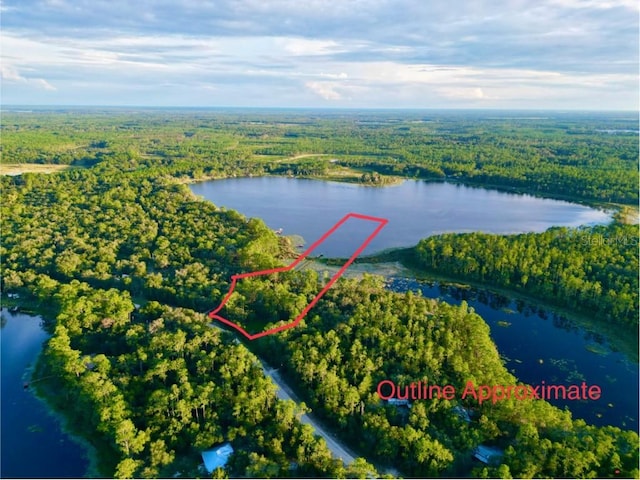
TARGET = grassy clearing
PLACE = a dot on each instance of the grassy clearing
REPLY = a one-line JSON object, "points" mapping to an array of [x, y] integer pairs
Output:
{"points": [[306, 155], [629, 215], [19, 168], [357, 270], [340, 173]]}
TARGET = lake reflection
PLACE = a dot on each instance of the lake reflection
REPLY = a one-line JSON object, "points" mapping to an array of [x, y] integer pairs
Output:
{"points": [[415, 209]]}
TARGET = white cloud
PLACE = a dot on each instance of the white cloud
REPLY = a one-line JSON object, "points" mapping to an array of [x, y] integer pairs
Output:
{"points": [[597, 4], [365, 53], [301, 46], [10, 74], [42, 83], [464, 93], [326, 90], [340, 75]]}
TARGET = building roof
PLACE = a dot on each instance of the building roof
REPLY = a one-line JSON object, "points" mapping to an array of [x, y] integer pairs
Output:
{"points": [[217, 457], [489, 455], [398, 402]]}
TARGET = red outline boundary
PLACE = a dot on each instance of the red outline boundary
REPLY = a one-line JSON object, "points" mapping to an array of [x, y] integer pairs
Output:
{"points": [[234, 278]]}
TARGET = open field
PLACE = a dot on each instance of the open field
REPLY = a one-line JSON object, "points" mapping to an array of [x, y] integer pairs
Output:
{"points": [[20, 168], [629, 215]]}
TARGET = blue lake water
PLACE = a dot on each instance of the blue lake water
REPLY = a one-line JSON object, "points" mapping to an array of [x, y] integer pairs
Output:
{"points": [[415, 209], [33, 444], [537, 345]]}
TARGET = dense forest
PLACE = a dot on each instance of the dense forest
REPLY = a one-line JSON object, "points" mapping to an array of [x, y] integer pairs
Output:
{"points": [[157, 384], [590, 157], [152, 385], [361, 334], [593, 270], [157, 387]]}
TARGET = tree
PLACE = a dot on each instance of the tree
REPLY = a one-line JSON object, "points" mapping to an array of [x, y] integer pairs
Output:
{"points": [[360, 468], [127, 468]]}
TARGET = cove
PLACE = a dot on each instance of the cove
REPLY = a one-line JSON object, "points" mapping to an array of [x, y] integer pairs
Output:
{"points": [[33, 444], [539, 345], [415, 209]]}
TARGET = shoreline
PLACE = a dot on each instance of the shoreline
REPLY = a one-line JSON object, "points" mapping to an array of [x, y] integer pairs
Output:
{"points": [[628, 209], [55, 418], [89, 450], [616, 340]]}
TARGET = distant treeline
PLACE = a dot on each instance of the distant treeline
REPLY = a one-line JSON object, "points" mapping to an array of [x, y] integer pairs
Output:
{"points": [[561, 155]]}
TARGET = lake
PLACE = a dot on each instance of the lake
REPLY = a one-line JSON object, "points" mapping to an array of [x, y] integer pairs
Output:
{"points": [[33, 444], [415, 209]]}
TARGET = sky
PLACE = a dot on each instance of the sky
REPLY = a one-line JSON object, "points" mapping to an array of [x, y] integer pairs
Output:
{"points": [[481, 54]]}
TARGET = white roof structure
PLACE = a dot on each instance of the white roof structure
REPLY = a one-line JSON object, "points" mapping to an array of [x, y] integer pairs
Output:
{"points": [[217, 457], [488, 455]]}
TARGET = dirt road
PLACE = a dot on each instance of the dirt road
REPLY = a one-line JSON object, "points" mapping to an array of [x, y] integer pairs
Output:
{"points": [[338, 449]]}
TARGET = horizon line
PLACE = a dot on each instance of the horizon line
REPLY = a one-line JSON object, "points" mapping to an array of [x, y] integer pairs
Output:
{"points": [[232, 107]]}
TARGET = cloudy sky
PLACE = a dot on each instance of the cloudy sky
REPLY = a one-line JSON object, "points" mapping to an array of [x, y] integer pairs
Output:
{"points": [[539, 54]]}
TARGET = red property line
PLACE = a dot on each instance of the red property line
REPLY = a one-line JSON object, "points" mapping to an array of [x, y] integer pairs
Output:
{"points": [[234, 278]]}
